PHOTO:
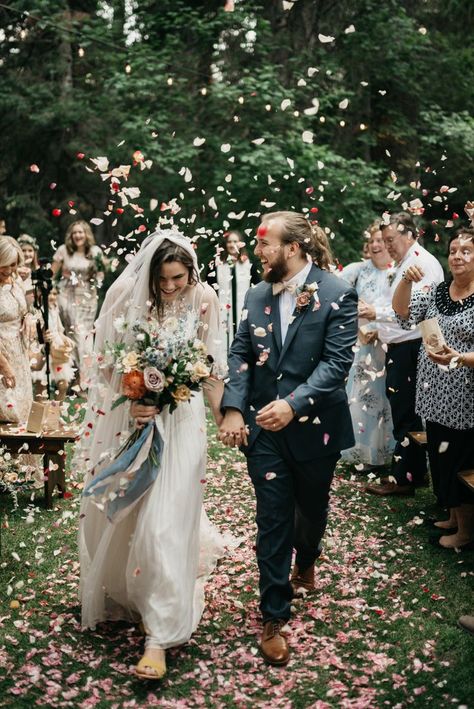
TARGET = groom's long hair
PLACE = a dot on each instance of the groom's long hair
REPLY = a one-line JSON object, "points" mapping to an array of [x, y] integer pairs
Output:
{"points": [[310, 237]]}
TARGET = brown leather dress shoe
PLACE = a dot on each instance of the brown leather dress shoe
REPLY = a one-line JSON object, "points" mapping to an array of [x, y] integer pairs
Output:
{"points": [[302, 581], [273, 645], [390, 489]]}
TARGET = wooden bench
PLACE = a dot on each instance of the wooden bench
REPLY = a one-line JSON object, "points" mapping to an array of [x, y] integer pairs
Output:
{"points": [[418, 437], [467, 477], [48, 444]]}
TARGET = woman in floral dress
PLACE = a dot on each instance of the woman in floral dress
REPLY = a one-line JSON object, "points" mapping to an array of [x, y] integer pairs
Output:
{"points": [[81, 264], [369, 405], [17, 328]]}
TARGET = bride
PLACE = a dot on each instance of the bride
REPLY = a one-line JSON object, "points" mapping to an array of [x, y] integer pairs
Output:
{"points": [[151, 564]]}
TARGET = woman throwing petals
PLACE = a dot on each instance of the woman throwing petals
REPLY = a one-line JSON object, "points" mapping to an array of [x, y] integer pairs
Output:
{"points": [[445, 381], [148, 563]]}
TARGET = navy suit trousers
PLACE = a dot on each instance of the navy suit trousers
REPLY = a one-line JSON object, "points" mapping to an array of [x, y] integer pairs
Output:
{"points": [[292, 508]]}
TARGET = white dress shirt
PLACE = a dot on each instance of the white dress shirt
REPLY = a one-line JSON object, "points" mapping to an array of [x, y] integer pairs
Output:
{"points": [[389, 330], [287, 301]]}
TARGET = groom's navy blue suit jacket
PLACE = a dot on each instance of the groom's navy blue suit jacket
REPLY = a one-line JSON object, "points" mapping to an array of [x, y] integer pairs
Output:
{"points": [[308, 370]]}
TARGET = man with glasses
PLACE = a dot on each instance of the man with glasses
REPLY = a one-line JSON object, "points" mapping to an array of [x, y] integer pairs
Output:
{"points": [[408, 468]]}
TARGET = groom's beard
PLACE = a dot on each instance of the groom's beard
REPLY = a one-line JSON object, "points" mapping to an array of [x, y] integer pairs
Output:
{"points": [[278, 271]]}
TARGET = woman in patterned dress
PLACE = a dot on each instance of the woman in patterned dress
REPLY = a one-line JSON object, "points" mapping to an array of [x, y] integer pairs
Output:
{"points": [[81, 263], [445, 382], [370, 410], [17, 328]]}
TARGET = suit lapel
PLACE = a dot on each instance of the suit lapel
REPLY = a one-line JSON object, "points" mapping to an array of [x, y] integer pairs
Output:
{"points": [[275, 319], [313, 275]]}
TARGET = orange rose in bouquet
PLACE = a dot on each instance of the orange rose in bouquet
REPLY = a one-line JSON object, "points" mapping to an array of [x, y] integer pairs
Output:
{"points": [[133, 385]]}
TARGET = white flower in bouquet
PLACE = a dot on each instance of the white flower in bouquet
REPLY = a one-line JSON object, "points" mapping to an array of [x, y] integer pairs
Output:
{"points": [[199, 346], [130, 361], [200, 371], [120, 324], [154, 379], [170, 324]]}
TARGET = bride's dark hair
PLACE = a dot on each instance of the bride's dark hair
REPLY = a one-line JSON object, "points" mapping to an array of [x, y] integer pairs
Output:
{"points": [[168, 252]]}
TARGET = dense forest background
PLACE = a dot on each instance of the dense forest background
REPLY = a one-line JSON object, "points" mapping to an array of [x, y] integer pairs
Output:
{"points": [[218, 111]]}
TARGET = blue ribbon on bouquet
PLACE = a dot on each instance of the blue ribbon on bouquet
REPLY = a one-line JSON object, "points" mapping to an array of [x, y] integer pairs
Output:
{"points": [[108, 481]]}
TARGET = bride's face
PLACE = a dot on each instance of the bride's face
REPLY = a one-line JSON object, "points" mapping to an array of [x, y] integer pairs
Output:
{"points": [[174, 278]]}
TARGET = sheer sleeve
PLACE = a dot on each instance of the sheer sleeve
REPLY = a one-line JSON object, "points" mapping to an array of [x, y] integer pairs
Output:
{"points": [[59, 255], [420, 301], [350, 273], [209, 330]]}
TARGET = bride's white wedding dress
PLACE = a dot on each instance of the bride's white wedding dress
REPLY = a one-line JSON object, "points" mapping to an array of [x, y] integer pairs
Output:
{"points": [[152, 563]]}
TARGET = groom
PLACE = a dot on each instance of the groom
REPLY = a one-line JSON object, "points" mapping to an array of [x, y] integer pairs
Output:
{"points": [[285, 404]]}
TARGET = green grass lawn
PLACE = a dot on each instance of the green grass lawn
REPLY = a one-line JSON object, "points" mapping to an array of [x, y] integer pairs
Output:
{"points": [[379, 631]]}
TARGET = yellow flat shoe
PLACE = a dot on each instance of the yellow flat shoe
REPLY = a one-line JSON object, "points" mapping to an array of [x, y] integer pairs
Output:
{"points": [[146, 663]]}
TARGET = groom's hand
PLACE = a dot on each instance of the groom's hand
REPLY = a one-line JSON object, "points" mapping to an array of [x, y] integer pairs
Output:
{"points": [[233, 431], [275, 415]]}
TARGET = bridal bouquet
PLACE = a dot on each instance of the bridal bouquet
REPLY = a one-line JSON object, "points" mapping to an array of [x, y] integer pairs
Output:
{"points": [[160, 367]]}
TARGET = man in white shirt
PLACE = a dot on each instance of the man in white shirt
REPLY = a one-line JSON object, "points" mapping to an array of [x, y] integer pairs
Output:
{"points": [[409, 459]]}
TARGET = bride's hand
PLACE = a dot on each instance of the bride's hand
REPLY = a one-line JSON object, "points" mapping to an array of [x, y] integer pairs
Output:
{"points": [[143, 414]]}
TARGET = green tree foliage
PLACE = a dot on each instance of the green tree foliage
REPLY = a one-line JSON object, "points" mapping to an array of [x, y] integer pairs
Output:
{"points": [[224, 104]]}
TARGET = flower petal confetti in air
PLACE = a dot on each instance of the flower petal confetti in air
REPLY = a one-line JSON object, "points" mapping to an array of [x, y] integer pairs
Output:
{"points": [[260, 332], [34, 168], [197, 142], [270, 476], [307, 136], [325, 39]]}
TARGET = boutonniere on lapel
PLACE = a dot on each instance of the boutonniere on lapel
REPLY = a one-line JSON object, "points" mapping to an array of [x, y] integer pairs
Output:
{"points": [[304, 294], [392, 272]]}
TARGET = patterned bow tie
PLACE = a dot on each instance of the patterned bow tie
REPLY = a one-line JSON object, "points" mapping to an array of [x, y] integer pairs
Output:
{"points": [[278, 288]]}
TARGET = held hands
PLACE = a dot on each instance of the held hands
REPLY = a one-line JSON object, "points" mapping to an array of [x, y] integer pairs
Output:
{"points": [[413, 274], [232, 430], [366, 311], [275, 415], [143, 414], [445, 356]]}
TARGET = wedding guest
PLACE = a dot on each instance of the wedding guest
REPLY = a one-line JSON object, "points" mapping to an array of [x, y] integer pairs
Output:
{"points": [[17, 329], [151, 564], [445, 381], [323, 255], [408, 466], [370, 410], [30, 249], [60, 359], [286, 382], [231, 274], [80, 263]]}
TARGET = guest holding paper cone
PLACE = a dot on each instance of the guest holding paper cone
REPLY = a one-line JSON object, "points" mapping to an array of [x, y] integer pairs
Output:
{"points": [[408, 468], [445, 382]]}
